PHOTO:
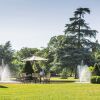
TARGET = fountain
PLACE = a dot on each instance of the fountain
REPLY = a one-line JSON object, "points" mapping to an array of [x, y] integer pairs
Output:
{"points": [[5, 74], [84, 73]]}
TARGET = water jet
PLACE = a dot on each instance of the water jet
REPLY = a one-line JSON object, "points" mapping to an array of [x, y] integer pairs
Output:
{"points": [[84, 73], [5, 74]]}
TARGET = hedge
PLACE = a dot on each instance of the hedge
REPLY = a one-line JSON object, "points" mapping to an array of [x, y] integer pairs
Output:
{"points": [[95, 79]]}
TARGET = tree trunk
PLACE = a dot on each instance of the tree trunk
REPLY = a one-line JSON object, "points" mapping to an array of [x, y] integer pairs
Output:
{"points": [[79, 44], [76, 73]]}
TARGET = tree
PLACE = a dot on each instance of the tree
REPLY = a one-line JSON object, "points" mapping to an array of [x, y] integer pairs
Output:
{"points": [[73, 47], [55, 43], [6, 53], [79, 29], [45, 65], [79, 33], [96, 55], [26, 52]]}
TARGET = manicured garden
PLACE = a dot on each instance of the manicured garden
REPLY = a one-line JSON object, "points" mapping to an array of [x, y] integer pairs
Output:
{"points": [[73, 54], [66, 91]]}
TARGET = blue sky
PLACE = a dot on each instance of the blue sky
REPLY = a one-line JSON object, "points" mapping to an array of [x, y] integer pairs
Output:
{"points": [[31, 23]]}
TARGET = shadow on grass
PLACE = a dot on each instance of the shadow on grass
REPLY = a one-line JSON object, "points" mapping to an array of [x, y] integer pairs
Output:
{"points": [[3, 86]]}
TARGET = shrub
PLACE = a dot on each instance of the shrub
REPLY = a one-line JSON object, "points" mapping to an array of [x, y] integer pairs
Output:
{"points": [[98, 80], [95, 79], [28, 68]]}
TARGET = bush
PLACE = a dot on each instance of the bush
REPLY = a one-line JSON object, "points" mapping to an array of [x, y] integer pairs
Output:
{"points": [[95, 79], [98, 80]]}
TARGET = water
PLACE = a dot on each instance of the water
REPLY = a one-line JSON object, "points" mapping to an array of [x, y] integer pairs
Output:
{"points": [[5, 74], [84, 73]]}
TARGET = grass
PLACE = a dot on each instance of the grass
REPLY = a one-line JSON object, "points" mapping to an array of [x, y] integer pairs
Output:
{"points": [[72, 91], [60, 79]]}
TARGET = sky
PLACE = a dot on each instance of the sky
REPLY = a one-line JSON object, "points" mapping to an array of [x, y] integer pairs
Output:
{"points": [[31, 23]]}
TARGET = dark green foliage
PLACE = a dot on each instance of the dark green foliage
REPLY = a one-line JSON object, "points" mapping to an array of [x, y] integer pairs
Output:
{"points": [[6, 53], [78, 29], [28, 68], [97, 69], [95, 79], [81, 11], [98, 80]]}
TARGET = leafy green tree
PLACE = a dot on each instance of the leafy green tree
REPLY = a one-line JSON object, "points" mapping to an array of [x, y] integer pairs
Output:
{"points": [[54, 45], [45, 53], [6, 53], [26, 52], [17, 64], [56, 42], [96, 55]]}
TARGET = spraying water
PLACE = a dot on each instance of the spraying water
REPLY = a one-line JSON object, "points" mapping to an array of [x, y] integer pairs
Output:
{"points": [[5, 76], [5, 72], [84, 73]]}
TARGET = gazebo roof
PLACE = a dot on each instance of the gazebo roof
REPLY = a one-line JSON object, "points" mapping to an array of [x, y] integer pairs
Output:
{"points": [[34, 58]]}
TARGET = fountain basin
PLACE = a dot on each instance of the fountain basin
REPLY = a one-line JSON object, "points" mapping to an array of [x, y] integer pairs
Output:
{"points": [[8, 82]]}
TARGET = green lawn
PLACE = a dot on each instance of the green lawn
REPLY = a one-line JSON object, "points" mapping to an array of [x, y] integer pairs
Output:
{"points": [[60, 79], [66, 91]]}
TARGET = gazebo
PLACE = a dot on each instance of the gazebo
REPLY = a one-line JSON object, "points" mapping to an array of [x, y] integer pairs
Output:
{"points": [[29, 73]]}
